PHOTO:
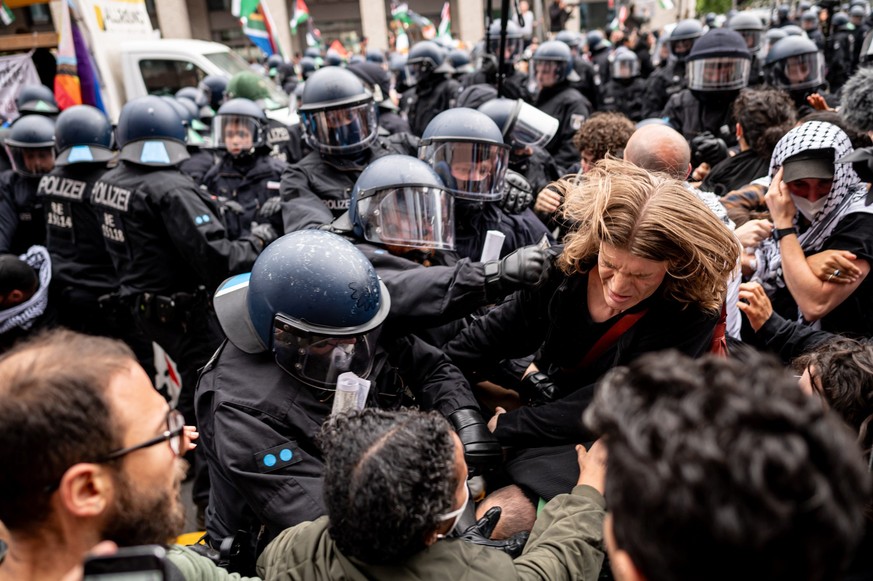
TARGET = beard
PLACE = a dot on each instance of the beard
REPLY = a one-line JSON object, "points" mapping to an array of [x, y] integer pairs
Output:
{"points": [[142, 519]]}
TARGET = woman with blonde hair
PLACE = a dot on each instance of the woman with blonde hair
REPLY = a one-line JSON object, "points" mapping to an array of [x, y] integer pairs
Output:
{"points": [[644, 269]]}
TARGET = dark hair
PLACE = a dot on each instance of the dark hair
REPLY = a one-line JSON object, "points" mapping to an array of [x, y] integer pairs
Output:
{"points": [[388, 476], [725, 470], [15, 274], [604, 133], [859, 139], [765, 116], [53, 414], [844, 369]]}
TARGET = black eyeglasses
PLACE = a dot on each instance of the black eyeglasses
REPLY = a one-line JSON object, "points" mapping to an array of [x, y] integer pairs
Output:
{"points": [[173, 434]]}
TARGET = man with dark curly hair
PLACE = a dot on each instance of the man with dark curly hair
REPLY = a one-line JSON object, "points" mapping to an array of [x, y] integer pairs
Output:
{"points": [[395, 483], [724, 470]]}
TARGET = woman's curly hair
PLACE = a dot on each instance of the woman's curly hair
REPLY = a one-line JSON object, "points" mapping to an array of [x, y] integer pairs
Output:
{"points": [[653, 217], [604, 133], [388, 477]]}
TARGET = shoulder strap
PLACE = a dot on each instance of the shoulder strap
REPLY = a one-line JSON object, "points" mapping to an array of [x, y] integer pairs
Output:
{"points": [[611, 337]]}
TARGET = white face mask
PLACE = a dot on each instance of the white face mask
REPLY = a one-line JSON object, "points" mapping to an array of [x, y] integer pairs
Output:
{"points": [[807, 208], [456, 514]]}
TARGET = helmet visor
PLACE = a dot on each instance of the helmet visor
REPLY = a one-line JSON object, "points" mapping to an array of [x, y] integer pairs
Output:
{"points": [[752, 38], [31, 161], [533, 127], [417, 70], [547, 73], [681, 47], [343, 130], [804, 71], [236, 133], [317, 360], [412, 216], [471, 171], [625, 68], [718, 73], [514, 48]]}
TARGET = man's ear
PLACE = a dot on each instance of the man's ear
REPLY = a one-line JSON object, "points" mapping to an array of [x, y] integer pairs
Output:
{"points": [[86, 490], [739, 130], [688, 171]]}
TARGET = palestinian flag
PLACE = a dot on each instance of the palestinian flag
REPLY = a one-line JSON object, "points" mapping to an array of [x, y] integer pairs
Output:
{"points": [[300, 15], [242, 8], [6, 15], [445, 29]]}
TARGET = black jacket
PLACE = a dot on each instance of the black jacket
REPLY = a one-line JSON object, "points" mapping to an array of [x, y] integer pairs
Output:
{"points": [[472, 222], [570, 108], [430, 97], [624, 97], [22, 216], [163, 232], [74, 237], [248, 180], [688, 114], [247, 406], [661, 85], [316, 190]]}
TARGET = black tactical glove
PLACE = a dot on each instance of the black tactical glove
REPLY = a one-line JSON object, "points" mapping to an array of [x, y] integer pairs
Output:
{"points": [[271, 206], [519, 193], [707, 148], [226, 205], [538, 389], [526, 267], [480, 534], [265, 233], [481, 448]]}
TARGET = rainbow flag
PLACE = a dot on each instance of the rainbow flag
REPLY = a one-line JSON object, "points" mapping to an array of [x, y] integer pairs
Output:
{"points": [[68, 92]]}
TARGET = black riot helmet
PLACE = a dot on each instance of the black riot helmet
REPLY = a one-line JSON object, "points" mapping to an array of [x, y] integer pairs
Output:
{"points": [[624, 64], [460, 61], [214, 86], [337, 112], [514, 40], [239, 126], [466, 149], [750, 27], [400, 201], [521, 124], [375, 55], [571, 38], [83, 134], [188, 118], [719, 62], [683, 37], [553, 63], [794, 30], [314, 301], [37, 99], [308, 65], [794, 64], [30, 145], [840, 21], [151, 132], [423, 60], [771, 37]]}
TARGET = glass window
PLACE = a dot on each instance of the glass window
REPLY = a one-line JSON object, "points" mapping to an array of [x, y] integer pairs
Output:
{"points": [[165, 77]]}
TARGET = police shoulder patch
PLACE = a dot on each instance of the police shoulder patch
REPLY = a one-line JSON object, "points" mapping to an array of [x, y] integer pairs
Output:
{"points": [[576, 121], [277, 457]]}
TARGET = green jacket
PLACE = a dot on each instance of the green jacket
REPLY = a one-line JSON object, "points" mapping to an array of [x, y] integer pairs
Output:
{"points": [[566, 543]]}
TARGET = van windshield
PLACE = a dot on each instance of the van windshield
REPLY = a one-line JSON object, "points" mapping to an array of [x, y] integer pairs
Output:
{"points": [[233, 64]]}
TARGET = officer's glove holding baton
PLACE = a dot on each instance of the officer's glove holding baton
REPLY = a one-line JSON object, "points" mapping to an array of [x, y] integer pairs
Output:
{"points": [[526, 267], [481, 448], [480, 534], [519, 193]]}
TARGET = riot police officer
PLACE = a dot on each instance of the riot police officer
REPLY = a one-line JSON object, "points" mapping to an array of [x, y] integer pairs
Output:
{"points": [[248, 85], [432, 90], [311, 309], [553, 72], [839, 52], [810, 25], [36, 99], [166, 241], [214, 87], [795, 65], [377, 80], [670, 79], [751, 28], [625, 91], [599, 50], [30, 143], [589, 78], [200, 159], [718, 69], [339, 120], [514, 81], [467, 150], [246, 179]]}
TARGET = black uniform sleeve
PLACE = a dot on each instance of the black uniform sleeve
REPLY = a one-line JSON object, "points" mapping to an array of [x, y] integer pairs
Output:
{"points": [[672, 112], [575, 112], [200, 237], [8, 221], [301, 208], [855, 234], [436, 383], [655, 92], [787, 339]]}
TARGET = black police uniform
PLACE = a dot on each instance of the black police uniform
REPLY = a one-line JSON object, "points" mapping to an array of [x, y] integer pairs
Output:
{"points": [[316, 190], [690, 115], [570, 108], [661, 85], [430, 97], [473, 220], [839, 57], [258, 426], [624, 96], [24, 216], [514, 83], [538, 168], [280, 141], [297, 148], [170, 251], [248, 180], [199, 164], [589, 81]]}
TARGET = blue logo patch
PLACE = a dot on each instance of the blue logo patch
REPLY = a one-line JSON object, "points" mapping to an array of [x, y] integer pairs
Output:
{"points": [[202, 219], [154, 152], [277, 457], [80, 153]]}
